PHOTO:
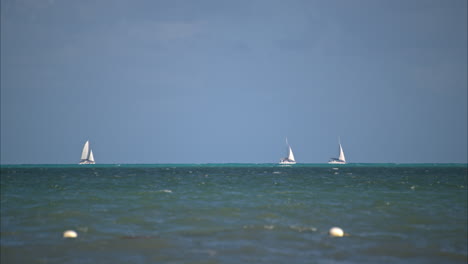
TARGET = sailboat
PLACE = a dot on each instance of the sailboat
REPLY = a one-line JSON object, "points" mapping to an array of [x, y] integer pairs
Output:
{"points": [[341, 158], [87, 156], [289, 160]]}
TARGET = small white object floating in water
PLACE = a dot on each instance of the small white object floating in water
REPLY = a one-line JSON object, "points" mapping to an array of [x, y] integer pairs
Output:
{"points": [[336, 232], [70, 234]]}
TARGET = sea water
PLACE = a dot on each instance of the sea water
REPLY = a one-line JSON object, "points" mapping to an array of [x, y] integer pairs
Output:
{"points": [[234, 213]]}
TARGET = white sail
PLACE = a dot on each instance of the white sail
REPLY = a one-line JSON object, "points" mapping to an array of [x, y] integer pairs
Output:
{"points": [[87, 156], [85, 153], [291, 154], [91, 157], [341, 157], [290, 159]]}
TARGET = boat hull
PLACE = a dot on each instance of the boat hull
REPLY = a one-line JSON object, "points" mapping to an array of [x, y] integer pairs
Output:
{"points": [[287, 162], [86, 162], [336, 162]]}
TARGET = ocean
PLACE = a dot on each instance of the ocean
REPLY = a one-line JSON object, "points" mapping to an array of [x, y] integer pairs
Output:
{"points": [[234, 213]]}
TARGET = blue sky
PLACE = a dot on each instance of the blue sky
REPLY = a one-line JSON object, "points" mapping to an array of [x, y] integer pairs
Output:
{"points": [[227, 81]]}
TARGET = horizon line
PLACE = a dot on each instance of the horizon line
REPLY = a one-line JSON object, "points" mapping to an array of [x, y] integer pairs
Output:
{"points": [[240, 163]]}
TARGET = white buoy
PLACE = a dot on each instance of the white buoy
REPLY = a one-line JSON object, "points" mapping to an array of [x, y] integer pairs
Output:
{"points": [[70, 234], [336, 232]]}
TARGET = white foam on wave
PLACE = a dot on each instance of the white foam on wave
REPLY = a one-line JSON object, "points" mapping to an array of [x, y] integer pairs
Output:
{"points": [[165, 191], [303, 228]]}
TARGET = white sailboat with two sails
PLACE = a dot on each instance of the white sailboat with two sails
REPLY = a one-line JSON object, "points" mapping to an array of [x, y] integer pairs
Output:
{"points": [[87, 156], [289, 160], [341, 158]]}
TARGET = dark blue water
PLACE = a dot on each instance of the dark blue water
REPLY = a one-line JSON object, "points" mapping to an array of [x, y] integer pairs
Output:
{"points": [[234, 213]]}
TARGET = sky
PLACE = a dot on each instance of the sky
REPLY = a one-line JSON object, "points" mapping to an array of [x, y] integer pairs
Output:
{"points": [[210, 81]]}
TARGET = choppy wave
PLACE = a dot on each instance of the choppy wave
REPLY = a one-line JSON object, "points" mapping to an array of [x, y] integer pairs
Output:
{"points": [[233, 213]]}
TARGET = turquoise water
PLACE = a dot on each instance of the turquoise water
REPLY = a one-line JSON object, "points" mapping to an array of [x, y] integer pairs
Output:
{"points": [[234, 213]]}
